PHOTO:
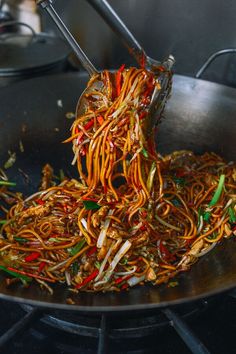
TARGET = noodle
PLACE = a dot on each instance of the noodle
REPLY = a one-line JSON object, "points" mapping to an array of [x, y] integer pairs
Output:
{"points": [[134, 216]]}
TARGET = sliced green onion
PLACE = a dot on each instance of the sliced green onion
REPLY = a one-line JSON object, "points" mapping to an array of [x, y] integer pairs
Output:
{"points": [[91, 205], [16, 275], [232, 216], [144, 152], [75, 267], [7, 183], [206, 215], [20, 239], [77, 248], [218, 191], [97, 265], [3, 222], [10, 162], [215, 198]]}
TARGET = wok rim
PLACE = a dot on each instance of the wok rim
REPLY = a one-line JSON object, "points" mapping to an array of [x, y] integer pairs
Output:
{"points": [[114, 308]]}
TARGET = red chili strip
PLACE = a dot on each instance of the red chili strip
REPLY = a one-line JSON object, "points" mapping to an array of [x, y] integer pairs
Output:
{"points": [[118, 79], [40, 201], [88, 279], [142, 115], [32, 275], [89, 124], [124, 286], [32, 257], [121, 279]]}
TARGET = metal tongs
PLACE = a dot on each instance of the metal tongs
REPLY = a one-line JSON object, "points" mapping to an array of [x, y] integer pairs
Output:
{"points": [[162, 70]]}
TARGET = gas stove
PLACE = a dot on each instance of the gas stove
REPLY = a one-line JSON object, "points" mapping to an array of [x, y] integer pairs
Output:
{"points": [[202, 327]]}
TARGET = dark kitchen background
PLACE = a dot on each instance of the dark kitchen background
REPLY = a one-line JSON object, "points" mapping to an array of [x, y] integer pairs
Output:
{"points": [[190, 30]]}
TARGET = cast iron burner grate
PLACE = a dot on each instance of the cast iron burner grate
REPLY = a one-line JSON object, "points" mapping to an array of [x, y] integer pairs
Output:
{"points": [[180, 329], [104, 331], [119, 326]]}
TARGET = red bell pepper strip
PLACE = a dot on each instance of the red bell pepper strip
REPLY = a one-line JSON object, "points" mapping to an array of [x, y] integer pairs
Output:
{"points": [[32, 257], [42, 266], [91, 251], [100, 120], [88, 279], [40, 201], [89, 124], [124, 286], [121, 279], [166, 253], [118, 79], [142, 115]]}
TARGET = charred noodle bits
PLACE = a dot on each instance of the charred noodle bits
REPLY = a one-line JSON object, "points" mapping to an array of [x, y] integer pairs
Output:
{"points": [[132, 217]]}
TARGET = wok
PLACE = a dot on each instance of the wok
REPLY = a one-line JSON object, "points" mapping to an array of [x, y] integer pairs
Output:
{"points": [[200, 116]]}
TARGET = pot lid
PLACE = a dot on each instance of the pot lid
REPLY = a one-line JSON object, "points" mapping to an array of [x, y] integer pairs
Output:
{"points": [[24, 54]]}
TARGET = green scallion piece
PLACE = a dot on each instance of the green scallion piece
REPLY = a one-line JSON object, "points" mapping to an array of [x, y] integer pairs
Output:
{"points": [[232, 216], [206, 215], [215, 198], [77, 248], [3, 222], [20, 239], [91, 205], [97, 265], [16, 275], [218, 191], [144, 152], [7, 183], [75, 267]]}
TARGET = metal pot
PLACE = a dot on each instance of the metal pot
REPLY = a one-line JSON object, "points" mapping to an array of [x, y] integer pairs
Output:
{"points": [[27, 56]]}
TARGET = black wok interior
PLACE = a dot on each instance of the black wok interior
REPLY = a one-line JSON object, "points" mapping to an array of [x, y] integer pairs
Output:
{"points": [[200, 116]]}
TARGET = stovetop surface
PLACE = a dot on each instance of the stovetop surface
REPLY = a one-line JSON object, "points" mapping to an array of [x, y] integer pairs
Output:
{"points": [[215, 327]]}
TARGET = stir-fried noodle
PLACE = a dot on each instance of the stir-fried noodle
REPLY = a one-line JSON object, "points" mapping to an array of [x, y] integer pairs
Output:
{"points": [[133, 216]]}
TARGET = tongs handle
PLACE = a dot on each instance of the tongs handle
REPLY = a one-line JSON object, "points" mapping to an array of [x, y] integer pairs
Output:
{"points": [[117, 25], [88, 66]]}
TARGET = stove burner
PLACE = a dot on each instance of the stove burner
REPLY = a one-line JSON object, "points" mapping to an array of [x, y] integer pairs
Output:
{"points": [[172, 330], [122, 326], [127, 326]]}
